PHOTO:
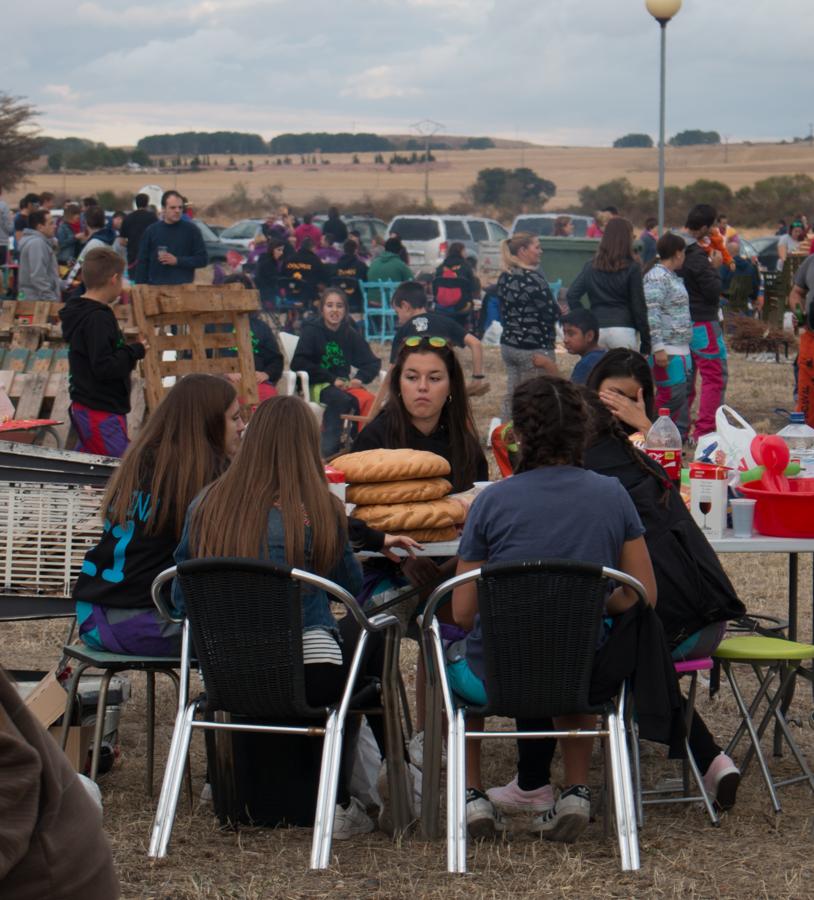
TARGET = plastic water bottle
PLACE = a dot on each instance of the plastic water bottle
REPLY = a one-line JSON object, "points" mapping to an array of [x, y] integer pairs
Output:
{"points": [[800, 440], [663, 444]]}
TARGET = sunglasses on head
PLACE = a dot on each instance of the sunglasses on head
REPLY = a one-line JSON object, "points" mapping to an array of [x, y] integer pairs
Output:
{"points": [[416, 340]]}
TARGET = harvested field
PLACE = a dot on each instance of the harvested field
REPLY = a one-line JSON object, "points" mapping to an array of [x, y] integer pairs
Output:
{"points": [[752, 854], [570, 168]]}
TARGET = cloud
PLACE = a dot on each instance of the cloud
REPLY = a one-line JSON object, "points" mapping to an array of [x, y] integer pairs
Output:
{"points": [[63, 91], [377, 83]]}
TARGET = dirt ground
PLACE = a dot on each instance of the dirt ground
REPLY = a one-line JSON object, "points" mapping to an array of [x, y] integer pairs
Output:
{"points": [[752, 854], [570, 168]]}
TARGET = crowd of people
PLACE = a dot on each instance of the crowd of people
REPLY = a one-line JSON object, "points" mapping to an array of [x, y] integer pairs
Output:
{"points": [[198, 482]]}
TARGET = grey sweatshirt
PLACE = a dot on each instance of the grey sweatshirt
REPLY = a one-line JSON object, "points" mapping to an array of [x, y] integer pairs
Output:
{"points": [[39, 270]]}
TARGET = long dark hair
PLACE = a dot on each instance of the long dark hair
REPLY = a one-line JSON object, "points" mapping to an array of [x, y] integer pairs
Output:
{"points": [[548, 415], [615, 251], [603, 425], [622, 363], [179, 450], [456, 416]]}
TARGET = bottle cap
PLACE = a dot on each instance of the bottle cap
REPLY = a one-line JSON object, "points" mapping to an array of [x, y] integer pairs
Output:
{"points": [[664, 411]]}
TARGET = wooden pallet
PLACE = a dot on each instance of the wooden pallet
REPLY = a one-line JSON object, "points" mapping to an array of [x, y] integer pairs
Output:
{"points": [[36, 382], [32, 323], [175, 319]]}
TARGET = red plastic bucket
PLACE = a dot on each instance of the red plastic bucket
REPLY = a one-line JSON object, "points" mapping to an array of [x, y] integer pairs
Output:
{"points": [[783, 513]]}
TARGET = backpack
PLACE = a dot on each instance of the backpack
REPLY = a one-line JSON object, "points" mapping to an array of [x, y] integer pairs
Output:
{"points": [[448, 288]]}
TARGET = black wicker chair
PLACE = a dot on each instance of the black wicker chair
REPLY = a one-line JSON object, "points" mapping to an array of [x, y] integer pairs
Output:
{"points": [[540, 622], [244, 618]]}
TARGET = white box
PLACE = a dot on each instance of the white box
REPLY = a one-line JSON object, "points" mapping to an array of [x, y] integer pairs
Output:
{"points": [[708, 498]]}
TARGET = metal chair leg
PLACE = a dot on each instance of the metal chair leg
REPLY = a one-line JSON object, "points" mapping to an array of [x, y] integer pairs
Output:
{"points": [[70, 702], [150, 712], [452, 814], [98, 731], [624, 805], [326, 797], [460, 791], [171, 786], [433, 746]]}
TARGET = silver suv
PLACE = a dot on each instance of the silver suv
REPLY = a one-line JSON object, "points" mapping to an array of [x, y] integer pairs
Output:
{"points": [[427, 238]]}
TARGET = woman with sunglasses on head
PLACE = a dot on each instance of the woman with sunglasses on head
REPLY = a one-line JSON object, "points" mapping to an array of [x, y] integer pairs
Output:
{"points": [[427, 409], [184, 445], [328, 349]]}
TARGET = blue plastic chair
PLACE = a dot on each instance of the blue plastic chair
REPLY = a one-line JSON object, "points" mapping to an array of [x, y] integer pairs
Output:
{"points": [[377, 306]]}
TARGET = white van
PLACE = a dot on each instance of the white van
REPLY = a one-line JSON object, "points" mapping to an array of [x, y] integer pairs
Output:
{"points": [[427, 238]]}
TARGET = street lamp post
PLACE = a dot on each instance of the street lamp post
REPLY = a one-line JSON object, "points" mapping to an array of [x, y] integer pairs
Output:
{"points": [[662, 11]]}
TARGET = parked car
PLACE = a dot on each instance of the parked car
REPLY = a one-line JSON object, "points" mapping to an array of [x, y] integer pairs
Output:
{"points": [[367, 226], [240, 236], [543, 223], [216, 249], [427, 238], [765, 248]]}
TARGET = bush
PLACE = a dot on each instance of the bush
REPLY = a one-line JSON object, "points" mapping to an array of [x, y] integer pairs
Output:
{"points": [[511, 190], [634, 140], [694, 136]]}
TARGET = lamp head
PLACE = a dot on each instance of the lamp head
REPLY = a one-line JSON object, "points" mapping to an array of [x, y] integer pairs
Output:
{"points": [[662, 10]]}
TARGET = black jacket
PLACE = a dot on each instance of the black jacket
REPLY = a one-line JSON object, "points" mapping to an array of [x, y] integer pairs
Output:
{"points": [[302, 272], [267, 355], [693, 589], [326, 355], [100, 362], [703, 283], [337, 229], [616, 298]]}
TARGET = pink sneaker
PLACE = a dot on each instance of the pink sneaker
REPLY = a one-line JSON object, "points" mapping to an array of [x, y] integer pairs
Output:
{"points": [[511, 799], [721, 781]]}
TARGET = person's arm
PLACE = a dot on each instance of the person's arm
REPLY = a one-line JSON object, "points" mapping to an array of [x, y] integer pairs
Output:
{"points": [[782, 252], [634, 560], [578, 286], [476, 349], [797, 298], [107, 361], [145, 251], [364, 360], [198, 257], [465, 597], [40, 273], [541, 361], [347, 572], [654, 296], [638, 308], [20, 798], [268, 358]]}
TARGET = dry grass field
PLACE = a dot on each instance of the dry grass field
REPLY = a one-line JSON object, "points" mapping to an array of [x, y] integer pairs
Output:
{"points": [[753, 854], [570, 168]]}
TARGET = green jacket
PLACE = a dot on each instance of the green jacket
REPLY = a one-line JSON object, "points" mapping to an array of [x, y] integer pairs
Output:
{"points": [[389, 267]]}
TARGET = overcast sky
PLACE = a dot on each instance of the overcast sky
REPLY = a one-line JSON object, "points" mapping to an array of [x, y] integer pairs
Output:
{"points": [[579, 72]]}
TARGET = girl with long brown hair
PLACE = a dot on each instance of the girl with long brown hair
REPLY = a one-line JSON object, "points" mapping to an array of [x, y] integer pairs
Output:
{"points": [[613, 282], [274, 503], [184, 445]]}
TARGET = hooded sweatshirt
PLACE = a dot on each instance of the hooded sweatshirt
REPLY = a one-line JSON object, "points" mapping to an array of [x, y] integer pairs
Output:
{"points": [[702, 280], [100, 362], [39, 270], [326, 355]]}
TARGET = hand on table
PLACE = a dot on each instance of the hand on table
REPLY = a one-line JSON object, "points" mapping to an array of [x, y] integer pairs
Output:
{"points": [[402, 542]]}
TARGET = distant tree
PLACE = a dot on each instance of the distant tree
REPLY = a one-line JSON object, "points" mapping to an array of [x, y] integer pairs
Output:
{"points": [[199, 142], [478, 143], [619, 193], [20, 144], [694, 136], [195, 163], [232, 163], [634, 140], [55, 161], [342, 142], [511, 188], [355, 159], [251, 165]]}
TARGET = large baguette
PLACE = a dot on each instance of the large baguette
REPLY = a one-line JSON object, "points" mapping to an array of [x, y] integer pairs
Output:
{"points": [[398, 491], [396, 517], [373, 466]]}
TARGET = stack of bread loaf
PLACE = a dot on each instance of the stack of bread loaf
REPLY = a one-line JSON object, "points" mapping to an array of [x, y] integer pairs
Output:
{"points": [[402, 492]]}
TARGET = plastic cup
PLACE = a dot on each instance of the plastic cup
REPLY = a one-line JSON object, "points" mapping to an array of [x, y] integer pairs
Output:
{"points": [[743, 515]]}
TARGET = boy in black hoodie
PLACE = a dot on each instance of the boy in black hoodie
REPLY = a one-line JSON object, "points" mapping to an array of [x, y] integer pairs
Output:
{"points": [[99, 361]]}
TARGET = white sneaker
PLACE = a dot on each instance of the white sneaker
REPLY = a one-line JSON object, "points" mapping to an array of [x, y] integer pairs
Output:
{"points": [[568, 818], [351, 821], [416, 751], [483, 821]]}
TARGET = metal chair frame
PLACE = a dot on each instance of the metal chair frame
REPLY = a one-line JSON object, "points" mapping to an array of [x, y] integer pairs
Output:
{"points": [[332, 731], [439, 699], [765, 672], [689, 766], [89, 658]]}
